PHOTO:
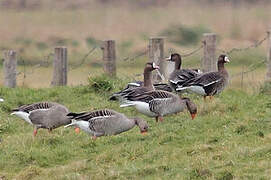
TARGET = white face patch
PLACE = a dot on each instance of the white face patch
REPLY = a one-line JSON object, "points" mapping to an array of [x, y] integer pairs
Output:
{"points": [[155, 66], [169, 58], [226, 59]]}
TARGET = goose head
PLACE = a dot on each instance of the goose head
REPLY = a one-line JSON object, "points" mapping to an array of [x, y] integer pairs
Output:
{"points": [[150, 66], [222, 59], [192, 108], [175, 57], [143, 126]]}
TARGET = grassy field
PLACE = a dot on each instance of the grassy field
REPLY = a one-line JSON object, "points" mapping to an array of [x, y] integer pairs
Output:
{"points": [[230, 138]]}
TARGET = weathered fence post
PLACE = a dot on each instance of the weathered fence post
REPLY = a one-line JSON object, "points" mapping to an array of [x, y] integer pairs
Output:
{"points": [[209, 58], [156, 54], [109, 57], [268, 74], [60, 66], [10, 64]]}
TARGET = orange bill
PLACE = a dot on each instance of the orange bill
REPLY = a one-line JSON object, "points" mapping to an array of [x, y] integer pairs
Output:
{"points": [[193, 116]]}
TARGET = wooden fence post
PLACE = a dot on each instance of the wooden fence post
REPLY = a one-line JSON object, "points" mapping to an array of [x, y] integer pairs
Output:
{"points": [[60, 66], [109, 57], [156, 54], [268, 74], [10, 65], [209, 58]]}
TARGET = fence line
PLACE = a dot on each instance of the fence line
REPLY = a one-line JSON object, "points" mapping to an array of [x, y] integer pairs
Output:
{"points": [[82, 61], [156, 52], [145, 52], [252, 46]]}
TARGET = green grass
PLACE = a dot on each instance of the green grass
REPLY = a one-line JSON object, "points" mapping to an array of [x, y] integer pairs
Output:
{"points": [[230, 138]]}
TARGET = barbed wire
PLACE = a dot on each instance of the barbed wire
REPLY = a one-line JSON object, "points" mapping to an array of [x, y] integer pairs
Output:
{"points": [[251, 68], [136, 56], [193, 52], [254, 45], [82, 61], [43, 63]]}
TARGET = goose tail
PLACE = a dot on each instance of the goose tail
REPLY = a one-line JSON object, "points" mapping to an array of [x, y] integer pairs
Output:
{"points": [[126, 104], [73, 122]]}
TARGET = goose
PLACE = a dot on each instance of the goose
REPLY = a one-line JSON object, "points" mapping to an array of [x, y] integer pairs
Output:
{"points": [[180, 76], [210, 83], [160, 103], [132, 87], [105, 122], [47, 115]]}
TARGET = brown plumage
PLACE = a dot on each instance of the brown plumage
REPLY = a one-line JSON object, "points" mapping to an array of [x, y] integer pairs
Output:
{"points": [[210, 83], [179, 76], [147, 84]]}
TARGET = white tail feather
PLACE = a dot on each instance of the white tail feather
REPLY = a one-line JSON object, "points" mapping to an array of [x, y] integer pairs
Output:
{"points": [[71, 124], [23, 115], [181, 88], [126, 104]]}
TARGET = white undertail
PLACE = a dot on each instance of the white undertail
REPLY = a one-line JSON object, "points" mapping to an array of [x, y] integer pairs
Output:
{"points": [[23, 115]]}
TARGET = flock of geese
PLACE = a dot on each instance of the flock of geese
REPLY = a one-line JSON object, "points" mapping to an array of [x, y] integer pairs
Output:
{"points": [[153, 100]]}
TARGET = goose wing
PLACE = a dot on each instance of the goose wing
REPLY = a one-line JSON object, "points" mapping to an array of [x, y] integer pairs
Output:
{"points": [[150, 96], [183, 75], [89, 116], [34, 107], [162, 86], [204, 79]]}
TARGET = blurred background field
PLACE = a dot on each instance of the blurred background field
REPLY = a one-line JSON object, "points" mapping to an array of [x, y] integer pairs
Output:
{"points": [[34, 28]]}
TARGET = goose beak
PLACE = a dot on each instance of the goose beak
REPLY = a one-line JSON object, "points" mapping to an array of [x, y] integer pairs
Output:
{"points": [[168, 58], [154, 66], [193, 115], [143, 132], [227, 59], [77, 130]]}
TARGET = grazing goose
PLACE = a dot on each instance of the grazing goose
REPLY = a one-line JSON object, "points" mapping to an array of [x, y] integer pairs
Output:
{"points": [[160, 103], [131, 89], [180, 76], [48, 115], [105, 122], [211, 83]]}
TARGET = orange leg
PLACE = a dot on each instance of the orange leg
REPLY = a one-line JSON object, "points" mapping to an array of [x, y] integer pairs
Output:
{"points": [[94, 138], [77, 130], [161, 119], [35, 132]]}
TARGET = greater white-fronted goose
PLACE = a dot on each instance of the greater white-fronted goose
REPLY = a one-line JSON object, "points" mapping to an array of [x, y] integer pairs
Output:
{"points": [[48, 115], [211, 83], [147, 85], [105, 122], [160, 103], [180, 76]]}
